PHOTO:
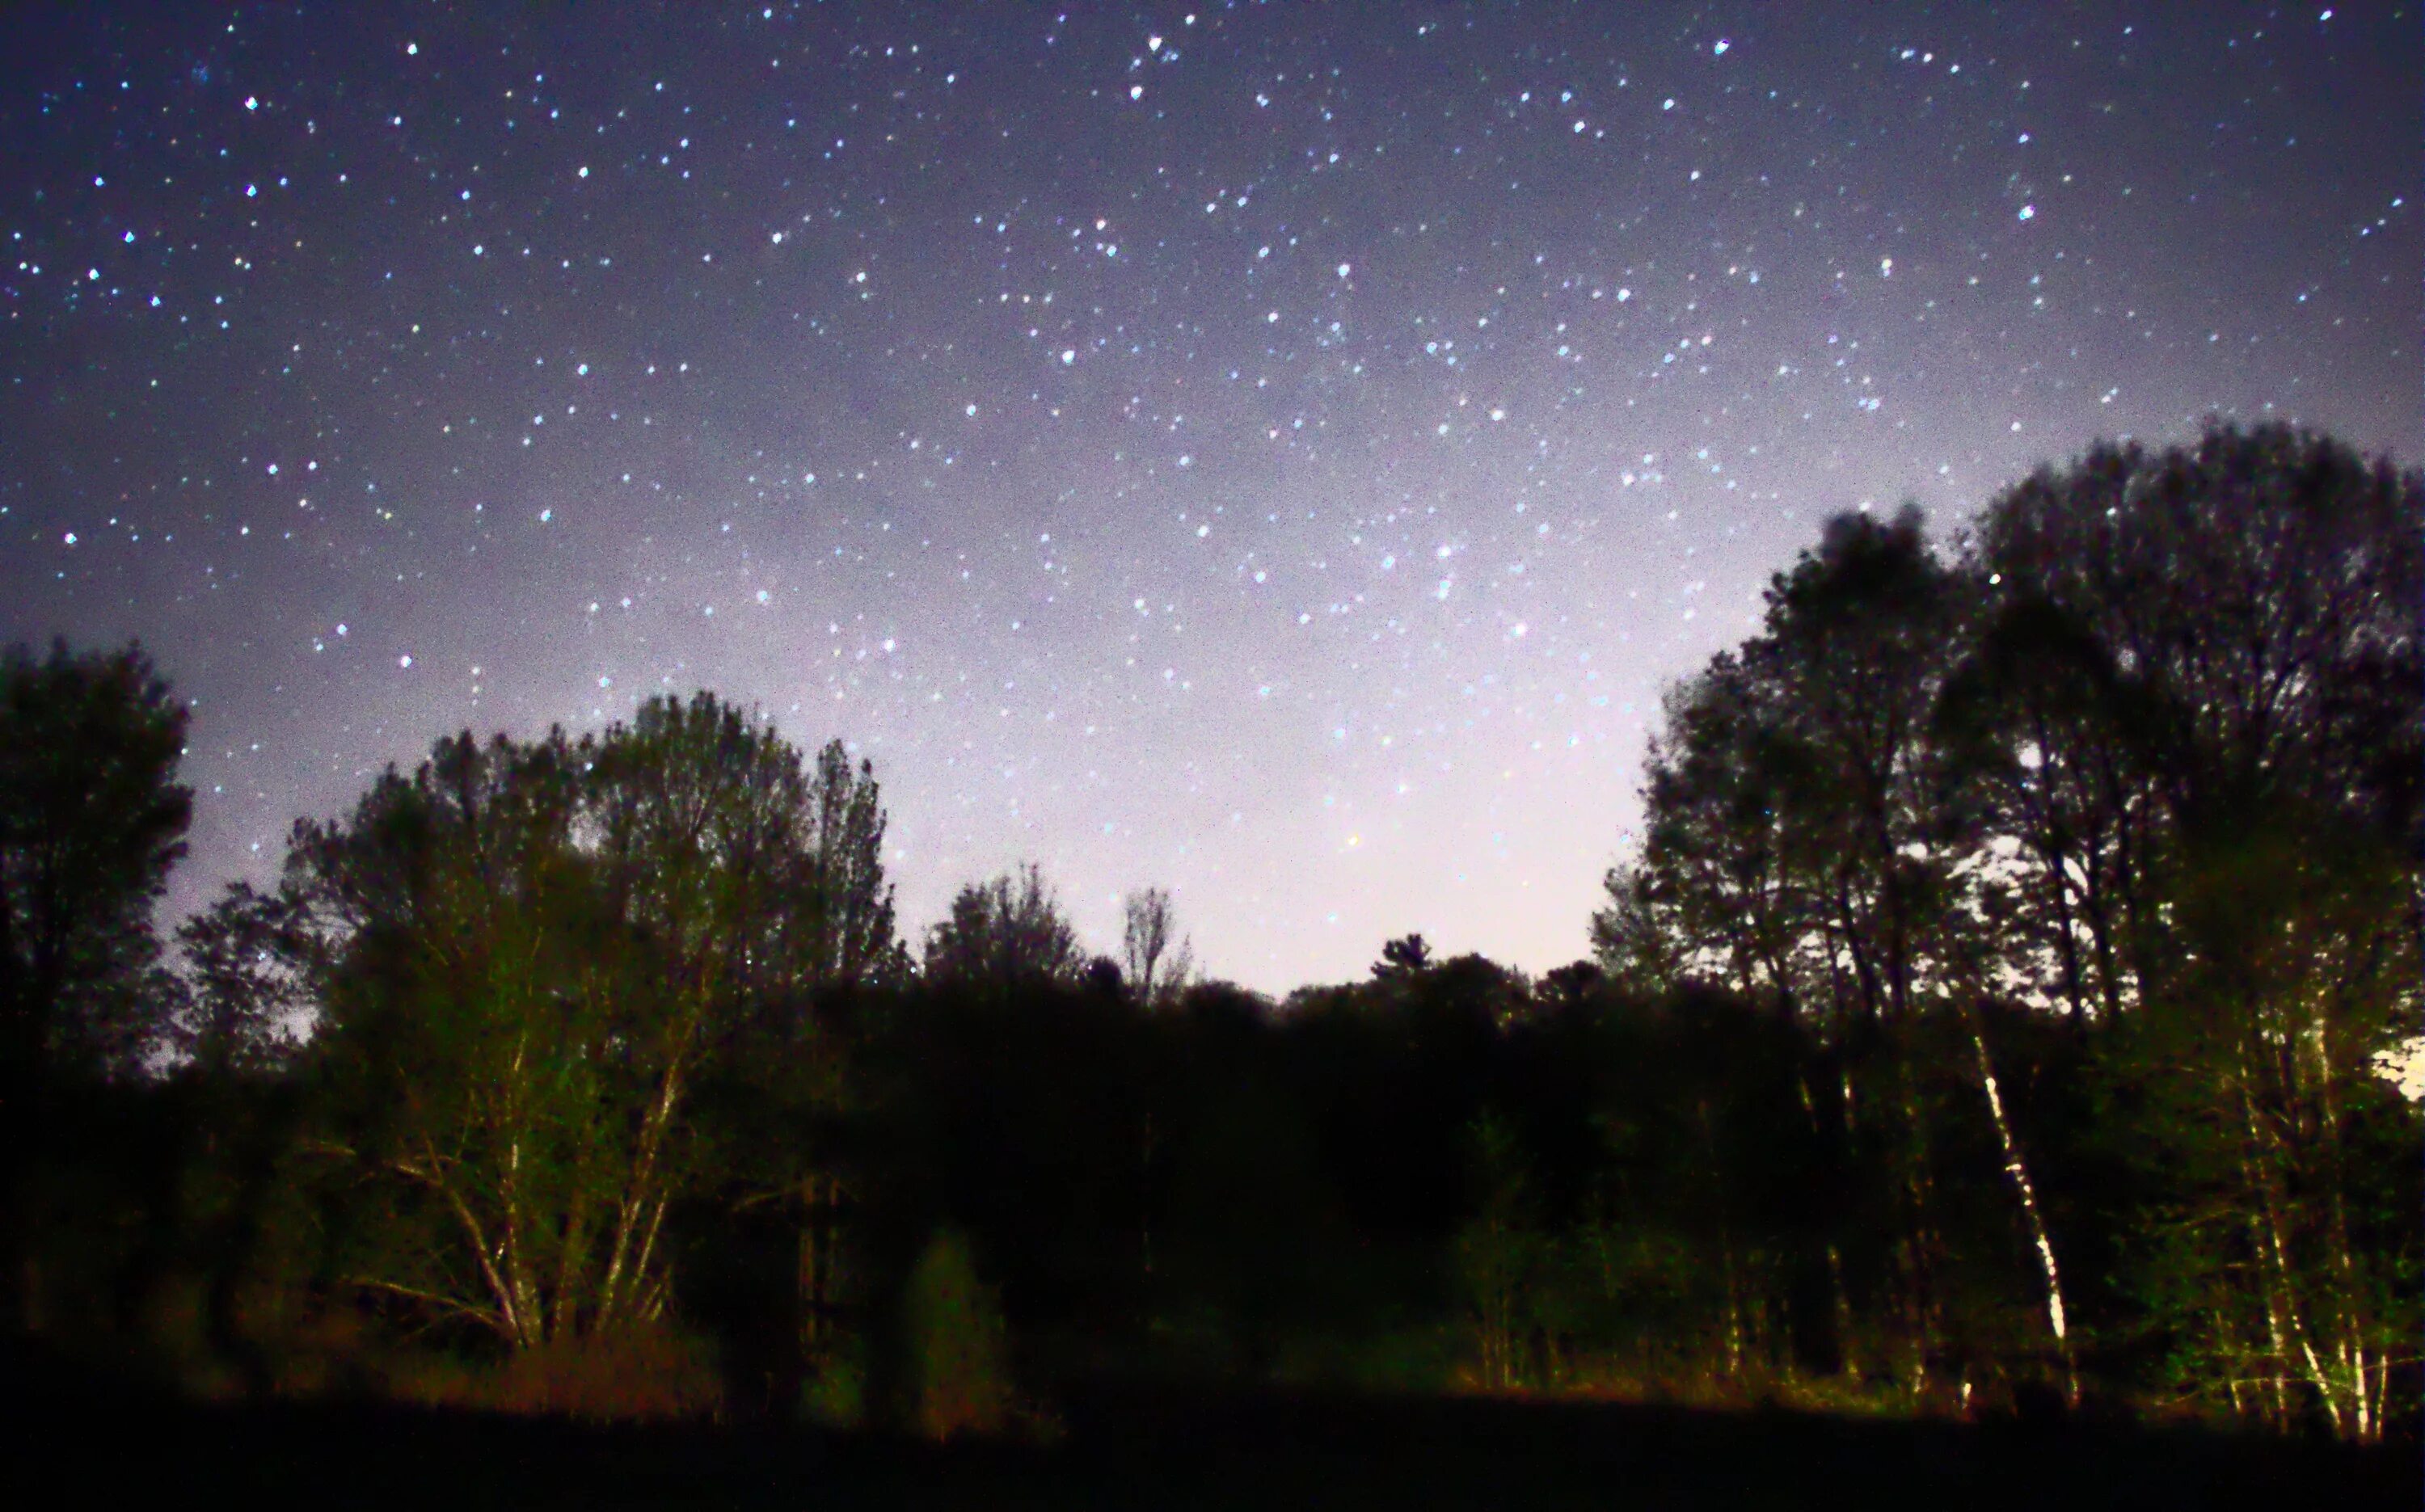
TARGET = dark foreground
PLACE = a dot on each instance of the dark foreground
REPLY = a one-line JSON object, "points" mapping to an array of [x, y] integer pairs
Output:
{"points": [[1154, 1450]]}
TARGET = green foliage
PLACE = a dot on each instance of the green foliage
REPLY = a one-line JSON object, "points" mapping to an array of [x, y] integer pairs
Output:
{"points": [[834, 1393], [958, 1353], [1499, 1256], [522, 962], [2279, 1256], [2248, 883]]}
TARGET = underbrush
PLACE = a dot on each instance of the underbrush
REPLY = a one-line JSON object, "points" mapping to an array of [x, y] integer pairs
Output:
{"points": [[642, 1376]]}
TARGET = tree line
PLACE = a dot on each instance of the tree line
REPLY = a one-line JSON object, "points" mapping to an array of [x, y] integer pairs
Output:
{"points": [[2000, 1005]]}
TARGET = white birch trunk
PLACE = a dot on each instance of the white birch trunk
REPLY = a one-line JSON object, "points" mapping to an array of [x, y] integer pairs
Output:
{"points": [[2018, 1169]]}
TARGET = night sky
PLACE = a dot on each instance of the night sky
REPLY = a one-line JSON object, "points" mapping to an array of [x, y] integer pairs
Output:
{"points": [[1273, 451]]}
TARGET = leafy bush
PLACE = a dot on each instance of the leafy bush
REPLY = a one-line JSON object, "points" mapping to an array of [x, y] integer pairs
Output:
{"points": [[958, 1371], [834, 1396]]}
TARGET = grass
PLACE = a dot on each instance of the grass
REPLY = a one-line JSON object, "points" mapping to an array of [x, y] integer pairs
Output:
{"points": [[1132, 1445]]}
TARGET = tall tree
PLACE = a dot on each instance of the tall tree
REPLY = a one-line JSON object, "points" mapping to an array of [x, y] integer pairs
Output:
{"points": [[1796, 853], [1004, 933], [502, 1062], [858, 942], [1156, 960], [2149, 756], [2258, 596], [249, 1006], [1709, 894], [526, 957], [1851, 654], [2244, 726], [780, 1085], [1788, 849], [92, 819], [2050, 805]]}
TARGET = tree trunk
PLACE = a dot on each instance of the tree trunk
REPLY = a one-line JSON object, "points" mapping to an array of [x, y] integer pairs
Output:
{"points": [[2018, 1169]]}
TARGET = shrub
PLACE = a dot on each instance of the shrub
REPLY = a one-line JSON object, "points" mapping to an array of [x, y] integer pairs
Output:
{"points": [[958, 1371], [646, 1375], [834, 1396]]}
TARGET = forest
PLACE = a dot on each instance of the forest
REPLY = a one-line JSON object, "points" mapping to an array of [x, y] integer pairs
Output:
{"points": [[2001, 1011]]}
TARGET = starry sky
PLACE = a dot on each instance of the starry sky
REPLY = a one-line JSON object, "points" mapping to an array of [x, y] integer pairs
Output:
{"points": [[1273, 451]]}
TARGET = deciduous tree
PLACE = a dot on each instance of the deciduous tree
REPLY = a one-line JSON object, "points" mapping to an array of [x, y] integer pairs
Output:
{"points": [[92, 819]]}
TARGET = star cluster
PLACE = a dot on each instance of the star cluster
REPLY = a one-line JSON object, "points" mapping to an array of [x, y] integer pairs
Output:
{"points": [[1278, 453]]}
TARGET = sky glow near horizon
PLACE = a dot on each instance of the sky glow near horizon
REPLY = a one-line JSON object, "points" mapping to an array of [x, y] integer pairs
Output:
{"points": [[1275, 452]]}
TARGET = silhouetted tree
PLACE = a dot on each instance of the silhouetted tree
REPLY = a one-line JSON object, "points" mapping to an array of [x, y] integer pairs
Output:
{"points": [[1570, 988], [857, 942], [2203, 728], [1793, 856], [1999, 999], [2067, 772], [249, 1006], [1407, 956], [1004, 933], [1156, 959], [92, 819]]}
